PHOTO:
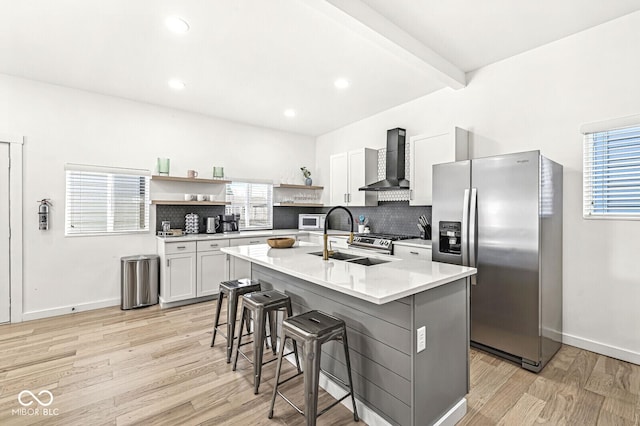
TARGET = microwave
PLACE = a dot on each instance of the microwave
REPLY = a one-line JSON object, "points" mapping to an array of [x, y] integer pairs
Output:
{"points": [[311, 221]]}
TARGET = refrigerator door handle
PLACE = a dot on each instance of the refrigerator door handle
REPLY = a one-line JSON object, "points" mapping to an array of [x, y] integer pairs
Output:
{"points": [[464, 238], [473, 234]]}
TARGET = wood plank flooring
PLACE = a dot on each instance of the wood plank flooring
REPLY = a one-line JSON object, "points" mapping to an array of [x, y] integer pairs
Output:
{"points": [[155, 367]]}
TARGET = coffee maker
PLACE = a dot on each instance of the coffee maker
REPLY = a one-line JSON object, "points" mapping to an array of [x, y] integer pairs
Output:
{"points": [[230, 222]]}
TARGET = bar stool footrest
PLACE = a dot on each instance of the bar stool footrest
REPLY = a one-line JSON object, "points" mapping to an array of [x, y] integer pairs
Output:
{"points": [[295, 407]]}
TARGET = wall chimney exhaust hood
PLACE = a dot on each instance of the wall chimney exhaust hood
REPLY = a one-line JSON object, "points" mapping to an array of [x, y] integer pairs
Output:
{"points": [[395, 164]]}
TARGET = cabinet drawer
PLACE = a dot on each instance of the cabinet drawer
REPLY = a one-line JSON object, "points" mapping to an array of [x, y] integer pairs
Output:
{"points": [[185, 247], [409, 253], [211, 245], [247, 241]]}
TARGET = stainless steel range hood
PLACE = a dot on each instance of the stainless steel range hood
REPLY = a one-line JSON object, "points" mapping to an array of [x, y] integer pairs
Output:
{"points": [[395, 164]]}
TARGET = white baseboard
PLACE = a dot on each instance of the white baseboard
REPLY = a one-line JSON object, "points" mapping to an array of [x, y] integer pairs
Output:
{"points": [[370, 417], [602, 348], [454, 415], [366, 414], [164, 305], [46, 313]]}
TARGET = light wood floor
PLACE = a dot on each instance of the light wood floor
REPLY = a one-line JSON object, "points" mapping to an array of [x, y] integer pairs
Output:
{"points": [[155, 367]]}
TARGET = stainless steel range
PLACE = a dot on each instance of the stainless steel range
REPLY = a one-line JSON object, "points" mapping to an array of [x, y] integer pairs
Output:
{"points": [[382, 243]]}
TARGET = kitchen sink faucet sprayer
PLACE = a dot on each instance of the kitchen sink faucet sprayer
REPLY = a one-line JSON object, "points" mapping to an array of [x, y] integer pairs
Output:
{"points": [[325, 251]]}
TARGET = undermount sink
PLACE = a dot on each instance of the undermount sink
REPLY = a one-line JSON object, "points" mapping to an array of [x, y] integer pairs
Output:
{"points": [[337, 255], [353, 258], [368, 261]]}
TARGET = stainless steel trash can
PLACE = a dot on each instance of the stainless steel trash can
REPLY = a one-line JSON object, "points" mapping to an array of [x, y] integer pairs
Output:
{"points": [[139, 280]]}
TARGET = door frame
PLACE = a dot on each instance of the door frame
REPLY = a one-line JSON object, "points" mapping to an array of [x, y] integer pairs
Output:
{"points": [[16, 143]]}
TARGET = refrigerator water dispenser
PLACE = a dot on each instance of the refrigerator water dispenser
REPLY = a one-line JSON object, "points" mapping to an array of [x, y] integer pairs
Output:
{"points": [[450, 237]]}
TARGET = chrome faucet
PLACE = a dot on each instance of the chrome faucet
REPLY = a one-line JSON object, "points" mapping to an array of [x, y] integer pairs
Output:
{"points": [[325, 236]]}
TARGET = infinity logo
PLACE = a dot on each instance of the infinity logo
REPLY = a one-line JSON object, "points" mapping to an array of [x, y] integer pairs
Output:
{"points": [[28, 392]]}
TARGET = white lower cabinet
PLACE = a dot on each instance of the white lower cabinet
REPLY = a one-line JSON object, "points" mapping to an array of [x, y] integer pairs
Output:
{"points": [[336, 242], [180, 277], [191, 269], [212, 267], [409, 253], [314, 238], [178, 272]]}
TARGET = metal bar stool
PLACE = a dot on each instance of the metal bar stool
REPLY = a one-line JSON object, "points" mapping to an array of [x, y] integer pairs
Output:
{"points": [[232, 290], [313, 329], [258, 305]]}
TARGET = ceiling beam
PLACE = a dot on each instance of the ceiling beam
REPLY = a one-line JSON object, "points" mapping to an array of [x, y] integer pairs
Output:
{"points": [[374, 27]]}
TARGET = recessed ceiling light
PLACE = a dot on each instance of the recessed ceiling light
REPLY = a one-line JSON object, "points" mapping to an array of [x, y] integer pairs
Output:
{"points": [[289, 112], [176, 84], [177, 25], [341, 83]]}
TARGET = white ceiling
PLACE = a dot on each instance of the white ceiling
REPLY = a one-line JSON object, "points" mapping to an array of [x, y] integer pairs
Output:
{"points": [[249, 60]]}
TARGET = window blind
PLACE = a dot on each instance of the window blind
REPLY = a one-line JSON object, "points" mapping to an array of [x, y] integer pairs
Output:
{"points": [[102, 200], [254, 203], [612, 173]]}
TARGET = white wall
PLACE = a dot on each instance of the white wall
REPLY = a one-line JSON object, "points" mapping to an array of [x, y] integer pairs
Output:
{"points": [[538, 100], [63, 125]]}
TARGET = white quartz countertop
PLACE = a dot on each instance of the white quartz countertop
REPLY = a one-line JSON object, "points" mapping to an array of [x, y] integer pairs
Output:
{"points": [[377, 284], [228, 235], [244, 234], [414, 242]]}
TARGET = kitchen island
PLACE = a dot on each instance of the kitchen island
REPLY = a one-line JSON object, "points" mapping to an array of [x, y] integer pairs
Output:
{"points": [[385, 306]]}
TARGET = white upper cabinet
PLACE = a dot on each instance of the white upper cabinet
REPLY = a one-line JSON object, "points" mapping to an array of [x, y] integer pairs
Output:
{"points": [[427, 150], [350, 171], [339, 179]]}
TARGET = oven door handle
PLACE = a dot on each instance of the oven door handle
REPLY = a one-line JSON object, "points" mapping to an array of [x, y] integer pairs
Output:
{"points": [[360, 248]]}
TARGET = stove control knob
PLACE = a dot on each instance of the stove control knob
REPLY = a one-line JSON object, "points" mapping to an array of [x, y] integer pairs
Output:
{"points": [[386, 243]]}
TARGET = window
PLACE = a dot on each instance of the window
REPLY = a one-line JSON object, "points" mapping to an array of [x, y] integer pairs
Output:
{"points": [[612, 173], [254, 203], [103, 200]]}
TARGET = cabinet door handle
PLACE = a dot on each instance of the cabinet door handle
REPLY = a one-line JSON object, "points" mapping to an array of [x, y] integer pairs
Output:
{"points": [[213, 245], [344, 197], [411, 194], [254, 242], [181, 247], [414, 252], [168, 263]]}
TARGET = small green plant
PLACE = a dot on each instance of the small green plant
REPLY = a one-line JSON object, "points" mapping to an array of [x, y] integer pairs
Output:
{"points": [[305, 172]]}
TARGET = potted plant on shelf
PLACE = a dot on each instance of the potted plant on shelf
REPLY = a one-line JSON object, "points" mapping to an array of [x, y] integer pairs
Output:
{"points": [[307, 176]]}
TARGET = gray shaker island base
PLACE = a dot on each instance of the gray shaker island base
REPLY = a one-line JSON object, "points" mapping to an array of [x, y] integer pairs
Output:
{"points": [[402, 386]]}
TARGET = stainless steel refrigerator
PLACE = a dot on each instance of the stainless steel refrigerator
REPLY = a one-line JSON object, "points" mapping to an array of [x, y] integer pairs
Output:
{"points": [[503, 216]]}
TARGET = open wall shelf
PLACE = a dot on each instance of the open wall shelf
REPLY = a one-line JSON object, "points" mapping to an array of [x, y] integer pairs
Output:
{"points": [[189, 203], [291, 186], [190, 180], [298, 204]]}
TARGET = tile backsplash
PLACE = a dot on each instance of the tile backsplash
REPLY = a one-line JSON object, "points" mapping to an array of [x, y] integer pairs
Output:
{"points": [[176, 214], [395, 217]]}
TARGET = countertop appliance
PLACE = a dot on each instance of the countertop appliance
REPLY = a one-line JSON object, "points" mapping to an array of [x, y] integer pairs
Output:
{"points": [[311, 222], [212, 224], [503, 216], [394, 178], [230, 222], [381, 243]]}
